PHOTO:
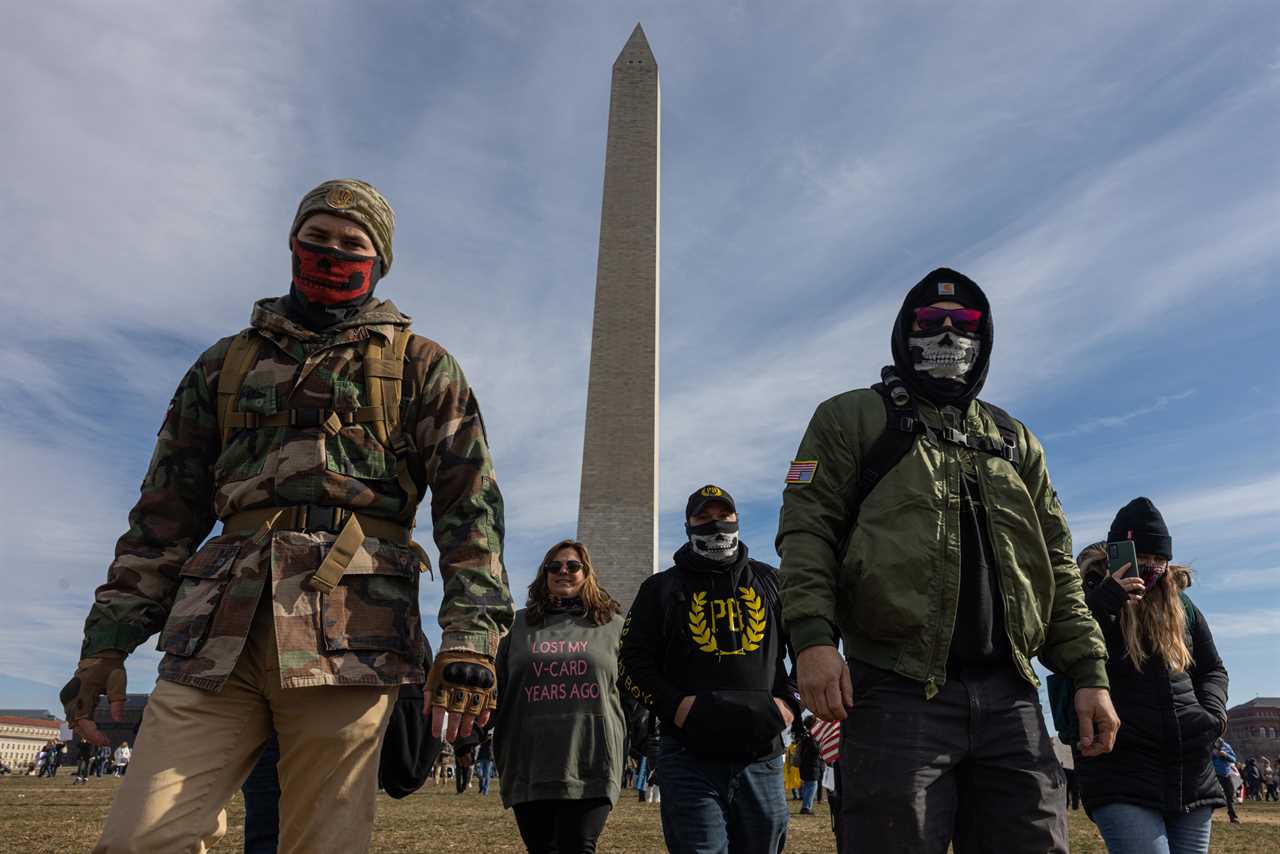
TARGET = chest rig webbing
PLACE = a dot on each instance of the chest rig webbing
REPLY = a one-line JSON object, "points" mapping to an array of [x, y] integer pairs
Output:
{"points": [[384, 379], [903, 425]]}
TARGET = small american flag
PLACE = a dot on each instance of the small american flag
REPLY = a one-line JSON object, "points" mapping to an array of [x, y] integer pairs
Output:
{"points": [[801, 471], [827, 735]]}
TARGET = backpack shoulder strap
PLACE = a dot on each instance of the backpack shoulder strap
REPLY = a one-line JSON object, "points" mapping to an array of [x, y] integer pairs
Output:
{"points": [[1189, 607], [240, 357], [902, 425], [384, 384], [383, 378], [1008, 428], [674, 601]]}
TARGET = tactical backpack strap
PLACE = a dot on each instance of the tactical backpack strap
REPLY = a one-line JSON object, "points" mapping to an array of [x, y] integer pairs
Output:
{"points": [[902, 425], [240, 357], [1190, 609], [384, 381], [1008, 433]]}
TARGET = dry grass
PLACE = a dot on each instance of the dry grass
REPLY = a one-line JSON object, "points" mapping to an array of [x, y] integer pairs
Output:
{"points": [[48, 816]]}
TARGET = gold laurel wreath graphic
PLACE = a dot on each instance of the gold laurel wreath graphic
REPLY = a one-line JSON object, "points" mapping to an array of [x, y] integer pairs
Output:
{"points": [[754, 633], [698, 624]]}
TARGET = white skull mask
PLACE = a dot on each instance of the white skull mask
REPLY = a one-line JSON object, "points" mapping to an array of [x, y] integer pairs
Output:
{"points": [[717, 540], [945, 356]]}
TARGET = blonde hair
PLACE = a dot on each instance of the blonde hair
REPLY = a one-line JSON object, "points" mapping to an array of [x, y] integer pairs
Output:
{"points": [[1156, 625], [599, 604]]}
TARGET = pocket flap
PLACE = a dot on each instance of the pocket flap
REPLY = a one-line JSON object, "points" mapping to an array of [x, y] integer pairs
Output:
{"points": [[377, 557], [212, 561]]}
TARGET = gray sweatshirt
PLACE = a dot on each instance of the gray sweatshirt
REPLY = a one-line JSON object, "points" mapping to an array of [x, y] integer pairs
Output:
{"points": [[560, 729]]}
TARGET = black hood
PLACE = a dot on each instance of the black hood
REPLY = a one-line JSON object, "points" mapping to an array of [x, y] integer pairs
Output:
{"points": [[924, 293], [686, 558]]}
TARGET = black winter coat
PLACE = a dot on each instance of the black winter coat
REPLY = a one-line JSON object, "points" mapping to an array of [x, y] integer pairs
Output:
{"points": [[1168, 721]]}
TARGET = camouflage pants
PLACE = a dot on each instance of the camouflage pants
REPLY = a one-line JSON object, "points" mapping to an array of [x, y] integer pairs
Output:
{"points": [[195, 748]]}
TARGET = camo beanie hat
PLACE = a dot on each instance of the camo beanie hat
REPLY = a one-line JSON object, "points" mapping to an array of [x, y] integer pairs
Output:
{"points": [[357, 201]]}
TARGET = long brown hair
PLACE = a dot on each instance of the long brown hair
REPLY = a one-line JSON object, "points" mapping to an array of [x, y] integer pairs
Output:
{"points": [[1156, 625], [601, 607]]}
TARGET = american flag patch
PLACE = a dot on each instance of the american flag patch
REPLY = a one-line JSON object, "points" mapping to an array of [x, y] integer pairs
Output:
{"points": [[802, 471]]}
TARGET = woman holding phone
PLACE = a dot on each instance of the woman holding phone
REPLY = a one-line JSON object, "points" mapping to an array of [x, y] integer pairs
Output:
{"points": [[1156, 791], [560, 732]]}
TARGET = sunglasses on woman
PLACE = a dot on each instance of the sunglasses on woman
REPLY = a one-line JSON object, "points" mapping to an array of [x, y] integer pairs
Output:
{"points": [[558, 566], [930, 319]]}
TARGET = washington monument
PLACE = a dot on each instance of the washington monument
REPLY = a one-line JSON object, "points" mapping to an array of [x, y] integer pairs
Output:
{"points": [[618, 503]]}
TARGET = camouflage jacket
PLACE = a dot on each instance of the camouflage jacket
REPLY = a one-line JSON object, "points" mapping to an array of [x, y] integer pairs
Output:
{"points": [[367, 631]]}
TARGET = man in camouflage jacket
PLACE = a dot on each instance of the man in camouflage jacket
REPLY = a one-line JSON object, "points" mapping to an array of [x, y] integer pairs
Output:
{"points": [[302, 614]]}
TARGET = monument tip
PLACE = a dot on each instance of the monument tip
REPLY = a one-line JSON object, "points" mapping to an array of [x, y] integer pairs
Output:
{"points": [[636, 50]]}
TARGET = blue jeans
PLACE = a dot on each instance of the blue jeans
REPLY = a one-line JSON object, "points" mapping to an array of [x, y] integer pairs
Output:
{"points": [[1130, 829], [713, 806], [262, 802], [808, 790], [642, 774], [484, 773]]}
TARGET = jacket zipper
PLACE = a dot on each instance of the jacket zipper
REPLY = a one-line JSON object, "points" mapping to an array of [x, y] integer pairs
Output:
{"points": [[991, 538], [950, 464]]}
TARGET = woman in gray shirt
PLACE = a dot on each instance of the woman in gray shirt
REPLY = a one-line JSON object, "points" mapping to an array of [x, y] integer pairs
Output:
{"points": [[560, 730]]}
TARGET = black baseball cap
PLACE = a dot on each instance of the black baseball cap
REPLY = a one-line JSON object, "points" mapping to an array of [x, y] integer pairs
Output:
{"points": [[704, 496]]}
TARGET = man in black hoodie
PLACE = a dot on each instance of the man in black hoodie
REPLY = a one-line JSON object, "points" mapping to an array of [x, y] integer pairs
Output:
{"points": [[919, 527], [703, 648]]}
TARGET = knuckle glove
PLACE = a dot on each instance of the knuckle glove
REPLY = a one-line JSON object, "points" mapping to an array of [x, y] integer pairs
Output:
{"points": [[462, 681]]}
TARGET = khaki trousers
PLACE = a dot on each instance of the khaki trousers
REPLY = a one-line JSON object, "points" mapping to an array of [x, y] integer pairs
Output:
{"points": [[196, 747]]}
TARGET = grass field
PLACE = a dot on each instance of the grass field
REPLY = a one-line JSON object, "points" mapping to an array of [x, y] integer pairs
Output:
{"points": [[54, 817]]}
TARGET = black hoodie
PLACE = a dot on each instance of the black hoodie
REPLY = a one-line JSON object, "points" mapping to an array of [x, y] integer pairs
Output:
{"points": [[714, 631], [933, 288], [979, 637]]}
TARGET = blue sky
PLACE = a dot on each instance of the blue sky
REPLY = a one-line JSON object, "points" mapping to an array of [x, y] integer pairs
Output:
{"points": [[1109, 175]]}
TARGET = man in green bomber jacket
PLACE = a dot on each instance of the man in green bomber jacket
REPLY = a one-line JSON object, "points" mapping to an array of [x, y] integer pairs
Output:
{"points": [[919, 527]]}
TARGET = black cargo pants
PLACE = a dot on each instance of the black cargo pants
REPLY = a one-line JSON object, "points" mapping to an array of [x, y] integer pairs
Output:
{"points": [[973, 764]]}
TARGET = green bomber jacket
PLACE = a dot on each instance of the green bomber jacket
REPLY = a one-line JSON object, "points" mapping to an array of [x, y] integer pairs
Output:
{"points": [[893, 596]]}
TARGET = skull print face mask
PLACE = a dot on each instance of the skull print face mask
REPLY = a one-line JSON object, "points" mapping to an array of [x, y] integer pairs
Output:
{"points": [[948, 355], [716, 541]]}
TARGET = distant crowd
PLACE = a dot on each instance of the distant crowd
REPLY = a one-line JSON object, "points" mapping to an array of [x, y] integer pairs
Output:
{"points": [[92, 761]]}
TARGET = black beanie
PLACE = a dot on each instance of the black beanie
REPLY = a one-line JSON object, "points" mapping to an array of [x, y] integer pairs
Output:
{"points": [[1140, 521]]}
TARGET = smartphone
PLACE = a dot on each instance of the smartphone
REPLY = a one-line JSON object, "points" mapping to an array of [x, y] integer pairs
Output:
{"points": [[1120, 553]]}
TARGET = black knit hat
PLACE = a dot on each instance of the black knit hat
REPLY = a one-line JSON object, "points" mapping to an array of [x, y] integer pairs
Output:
{"points": [[1140, 521]]}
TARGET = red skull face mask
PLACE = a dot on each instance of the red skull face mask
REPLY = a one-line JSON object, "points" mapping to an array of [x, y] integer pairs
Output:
{"points": [[329, 276]]}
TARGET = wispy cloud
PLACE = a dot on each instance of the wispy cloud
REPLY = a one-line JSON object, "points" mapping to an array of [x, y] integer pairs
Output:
{"points": [[1114, 201], [1111, 422], [1200, 507], [1242, 580], [1245, 624]]}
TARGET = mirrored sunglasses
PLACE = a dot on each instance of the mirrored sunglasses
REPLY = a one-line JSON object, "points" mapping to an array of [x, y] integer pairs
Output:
{"points": [[931, 319]]}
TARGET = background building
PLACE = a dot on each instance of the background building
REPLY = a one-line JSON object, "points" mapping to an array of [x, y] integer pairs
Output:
{"points": [[35, 714], [22, 737], [1253, 728], [127, 729]]}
